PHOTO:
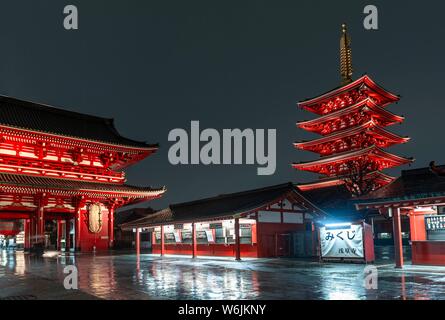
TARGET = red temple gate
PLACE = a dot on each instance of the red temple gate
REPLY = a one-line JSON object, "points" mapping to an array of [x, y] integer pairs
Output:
{"points": [[62, 166]]}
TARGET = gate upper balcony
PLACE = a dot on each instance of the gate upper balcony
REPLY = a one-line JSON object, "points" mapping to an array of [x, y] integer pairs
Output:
{"points": [[43, 140]]}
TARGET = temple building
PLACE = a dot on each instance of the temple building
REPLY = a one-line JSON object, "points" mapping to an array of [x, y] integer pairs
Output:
{"points": [[62, 178], [352, 121], [274, 221], [417, 196]]}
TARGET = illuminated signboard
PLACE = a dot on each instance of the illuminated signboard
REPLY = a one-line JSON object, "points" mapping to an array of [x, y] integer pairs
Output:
{"points": [[435, 223], [20, 238], [435, 227], [342, 242]]}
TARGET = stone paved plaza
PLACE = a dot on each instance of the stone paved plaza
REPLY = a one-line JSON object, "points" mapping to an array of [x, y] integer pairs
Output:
{"points": [[127, 276]]}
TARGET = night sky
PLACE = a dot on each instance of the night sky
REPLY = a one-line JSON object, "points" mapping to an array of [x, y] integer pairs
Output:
{"points": [[156, 65]]}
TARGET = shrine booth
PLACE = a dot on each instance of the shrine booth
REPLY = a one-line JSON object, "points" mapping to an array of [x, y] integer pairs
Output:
{"points": [[420, 195], [347, 242], [255, 223]]}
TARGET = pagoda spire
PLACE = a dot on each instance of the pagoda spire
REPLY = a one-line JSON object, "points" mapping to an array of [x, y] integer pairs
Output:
{"points": [[345, 56]]}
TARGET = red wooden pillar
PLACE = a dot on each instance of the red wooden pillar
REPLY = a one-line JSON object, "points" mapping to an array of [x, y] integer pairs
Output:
{"points": [[59, 234], [397, 233], [77, 231], [237, 240], [27, 230], [40, 225], [33, 230], [67, 235], [194, 246], [138, 241], [111, 227], [162, 241]]}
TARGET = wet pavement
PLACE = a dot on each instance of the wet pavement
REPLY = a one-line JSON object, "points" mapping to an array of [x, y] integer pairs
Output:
{"points": [[127, 276]]}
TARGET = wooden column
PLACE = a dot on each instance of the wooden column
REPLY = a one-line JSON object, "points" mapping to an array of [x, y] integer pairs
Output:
{"points": [[111, 227], [138, 241], [194, 246], [33, 230], [237, 240], [77, 231], [40, 225], [67, 235], [27, 230], [59, 234], [79, 203], [162, 241], [397, 234]]}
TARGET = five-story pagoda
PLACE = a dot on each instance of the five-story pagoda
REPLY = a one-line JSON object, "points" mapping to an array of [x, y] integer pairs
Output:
{"points": [[352, 121]]}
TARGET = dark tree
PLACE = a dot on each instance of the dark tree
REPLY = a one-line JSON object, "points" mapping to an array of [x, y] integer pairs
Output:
{"points": [[357, 180]]}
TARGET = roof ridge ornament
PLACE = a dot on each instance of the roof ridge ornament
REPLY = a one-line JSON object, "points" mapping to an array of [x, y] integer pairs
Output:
{"points": [[345, 56]]}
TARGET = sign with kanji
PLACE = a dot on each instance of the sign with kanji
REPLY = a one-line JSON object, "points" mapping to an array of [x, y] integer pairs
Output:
{"points": [[346, 242], [435, 223], [217, 225]]}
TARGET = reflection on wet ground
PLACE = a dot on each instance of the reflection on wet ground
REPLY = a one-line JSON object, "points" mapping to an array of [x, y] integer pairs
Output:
{"points": [[127, 276]]}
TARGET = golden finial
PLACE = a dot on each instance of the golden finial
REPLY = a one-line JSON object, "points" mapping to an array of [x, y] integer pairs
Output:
{"points": [[345, 56]]}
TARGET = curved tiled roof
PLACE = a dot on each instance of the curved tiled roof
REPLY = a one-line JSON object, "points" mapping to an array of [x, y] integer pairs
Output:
{"points": [[365, 79], [411, 185], [37, 184], [224, 206], [42, 118], [161, 216]]}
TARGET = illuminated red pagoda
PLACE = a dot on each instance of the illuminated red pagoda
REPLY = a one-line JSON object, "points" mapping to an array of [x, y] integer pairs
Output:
{"points": [[62, 178], [352, 121]]}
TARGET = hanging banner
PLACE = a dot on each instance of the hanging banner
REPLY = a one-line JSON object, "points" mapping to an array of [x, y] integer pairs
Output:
{"points": [[209, 234], [177, 236], [344, 242]]}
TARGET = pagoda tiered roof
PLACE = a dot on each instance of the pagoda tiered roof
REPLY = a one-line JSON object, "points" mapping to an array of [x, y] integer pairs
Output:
{"points": [[379, 177], [345, 96], [336, 164], [361, 136], [324, 125]]}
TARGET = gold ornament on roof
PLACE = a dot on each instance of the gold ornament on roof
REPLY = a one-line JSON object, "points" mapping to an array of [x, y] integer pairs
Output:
{"points": [[345, 56]]}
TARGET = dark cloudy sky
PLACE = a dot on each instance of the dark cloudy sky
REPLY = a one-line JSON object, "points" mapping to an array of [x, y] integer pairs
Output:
{"points": [[157, 65]]}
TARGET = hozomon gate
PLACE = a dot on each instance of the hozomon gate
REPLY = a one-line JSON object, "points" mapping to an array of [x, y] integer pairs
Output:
{"points": [[65, 167]]}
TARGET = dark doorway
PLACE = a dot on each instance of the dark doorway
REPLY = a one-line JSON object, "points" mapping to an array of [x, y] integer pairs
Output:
{"points": [[282, 248], [51, 234]]}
